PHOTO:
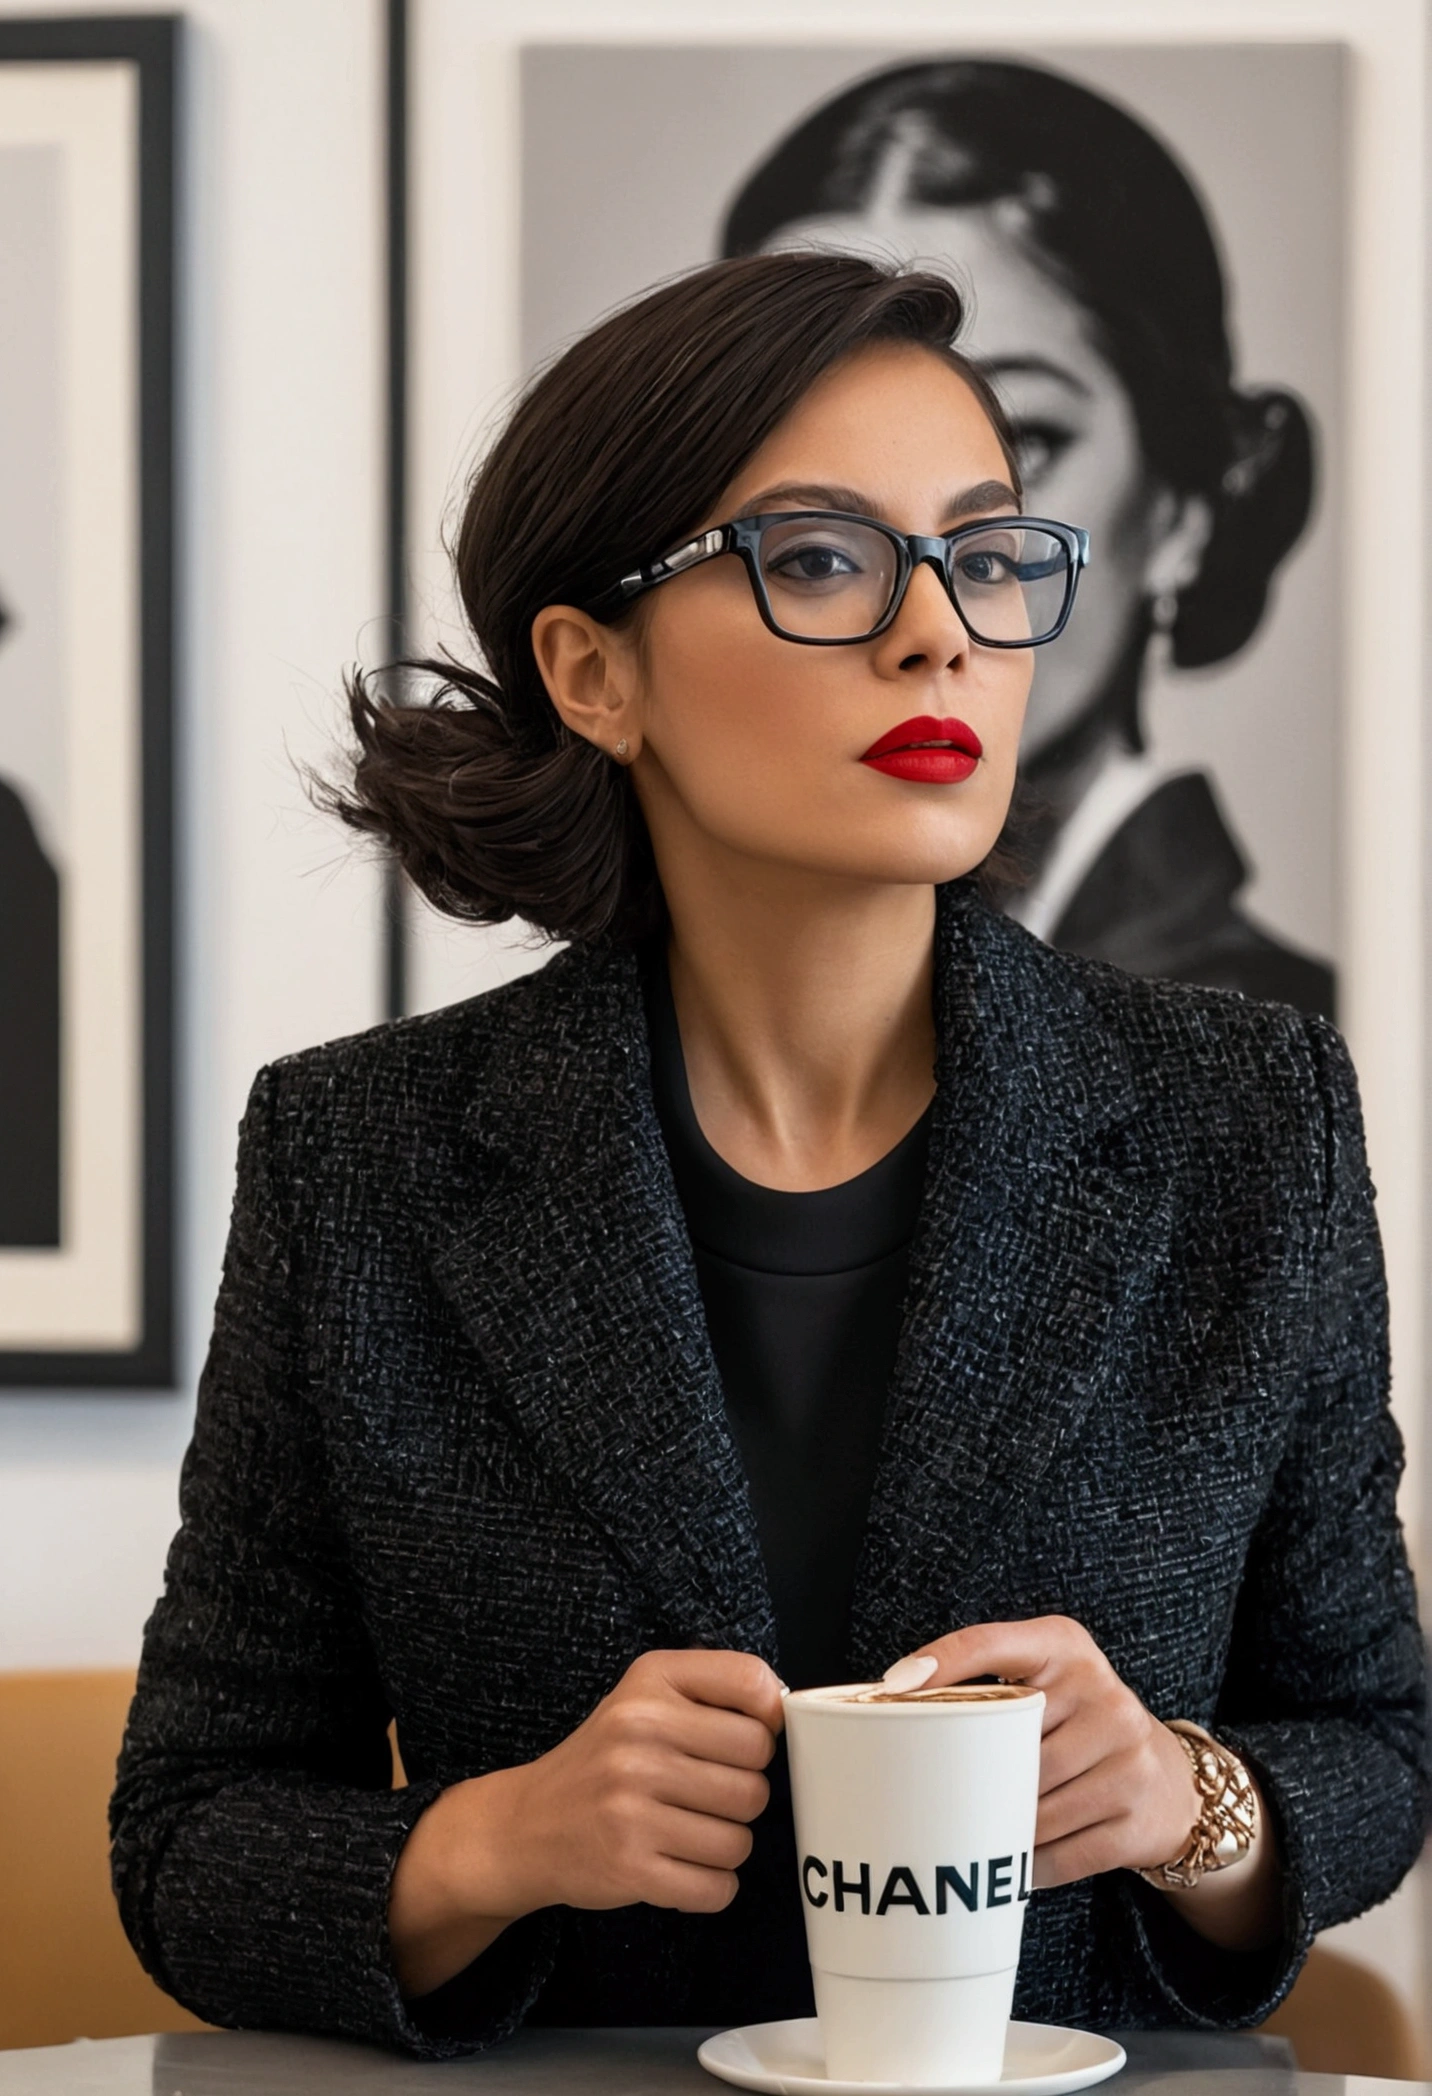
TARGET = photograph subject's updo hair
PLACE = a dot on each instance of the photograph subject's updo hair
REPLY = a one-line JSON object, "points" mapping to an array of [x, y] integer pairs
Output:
{"points": [[1100, 204], [618, 450]]}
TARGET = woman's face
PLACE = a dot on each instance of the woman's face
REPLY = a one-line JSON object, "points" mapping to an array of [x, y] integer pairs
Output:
{"points": [[1080, 447], [749, 747]]}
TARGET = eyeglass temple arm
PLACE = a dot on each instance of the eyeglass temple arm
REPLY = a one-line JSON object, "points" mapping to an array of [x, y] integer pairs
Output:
{"points": [[1036, 570], [652, 572]]}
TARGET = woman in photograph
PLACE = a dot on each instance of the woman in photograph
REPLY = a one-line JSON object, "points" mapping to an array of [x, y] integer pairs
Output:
{"points": [[1101, 320], [806, 1269], [29, 1027]]}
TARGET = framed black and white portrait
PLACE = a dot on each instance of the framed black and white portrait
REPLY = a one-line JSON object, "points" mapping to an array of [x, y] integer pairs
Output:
{"points": [[86, 183], [1195, 250], [1151, 244]]}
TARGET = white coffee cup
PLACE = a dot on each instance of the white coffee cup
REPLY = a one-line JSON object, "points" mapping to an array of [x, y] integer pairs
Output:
{"points": [[915, 1838]]}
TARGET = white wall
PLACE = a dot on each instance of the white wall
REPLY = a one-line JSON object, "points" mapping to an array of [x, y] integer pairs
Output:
{"points": [[281, 510]]}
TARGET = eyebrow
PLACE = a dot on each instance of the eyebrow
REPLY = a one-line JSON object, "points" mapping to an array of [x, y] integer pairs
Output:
{"points": [[970, 502], [1037, 367]]}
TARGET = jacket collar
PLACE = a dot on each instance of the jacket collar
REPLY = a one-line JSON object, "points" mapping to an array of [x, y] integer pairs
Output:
{"points": [[1166, 879], [571, 1271]]}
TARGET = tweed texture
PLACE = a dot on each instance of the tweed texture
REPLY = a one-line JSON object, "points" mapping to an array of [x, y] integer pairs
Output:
{"points": [[461, 1455]]}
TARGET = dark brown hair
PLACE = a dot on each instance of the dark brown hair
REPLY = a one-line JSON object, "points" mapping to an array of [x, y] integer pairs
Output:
{"points": [[617, 450]]}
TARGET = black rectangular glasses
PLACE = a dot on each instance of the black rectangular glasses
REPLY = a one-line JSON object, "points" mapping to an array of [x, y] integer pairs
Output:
{"points": [[827, 578]]}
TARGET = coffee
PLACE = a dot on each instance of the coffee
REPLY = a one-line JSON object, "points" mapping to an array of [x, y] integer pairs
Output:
{"points": [[960, 1692]]}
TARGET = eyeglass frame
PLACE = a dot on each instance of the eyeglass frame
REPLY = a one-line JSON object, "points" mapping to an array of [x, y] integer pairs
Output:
{"points": [[742, 536]]}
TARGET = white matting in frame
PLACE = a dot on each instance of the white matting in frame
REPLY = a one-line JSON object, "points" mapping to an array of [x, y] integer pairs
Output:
{"points": [[466, 361], [78, 1295]]}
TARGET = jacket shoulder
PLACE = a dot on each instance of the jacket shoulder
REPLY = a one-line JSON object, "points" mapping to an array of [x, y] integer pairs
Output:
{"points": [[1150, 1007], [1187, 1050], [419, 1077]]}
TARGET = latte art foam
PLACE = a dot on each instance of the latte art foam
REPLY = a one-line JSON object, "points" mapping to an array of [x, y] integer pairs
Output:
{"points": [[971, 1692]]}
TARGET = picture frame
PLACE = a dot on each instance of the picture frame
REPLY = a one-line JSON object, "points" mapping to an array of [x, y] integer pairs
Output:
{"points": [[87, 175], [465, 362]]}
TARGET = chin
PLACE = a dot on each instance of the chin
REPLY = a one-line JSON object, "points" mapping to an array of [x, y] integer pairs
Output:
{"points": [[915, 866]]}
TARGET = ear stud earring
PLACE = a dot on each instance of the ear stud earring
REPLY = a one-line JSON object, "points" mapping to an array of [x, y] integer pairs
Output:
{"points": [[622, 747]]}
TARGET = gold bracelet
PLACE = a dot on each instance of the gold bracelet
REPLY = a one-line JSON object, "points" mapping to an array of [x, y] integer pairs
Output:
{"points": [[1227, 1823]]}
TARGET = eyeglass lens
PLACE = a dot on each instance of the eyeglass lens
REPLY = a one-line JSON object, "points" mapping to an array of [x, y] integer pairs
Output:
{"points": [[828, 579]]}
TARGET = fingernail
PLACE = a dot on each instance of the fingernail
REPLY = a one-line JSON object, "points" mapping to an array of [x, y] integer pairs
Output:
{"points": [[910, 1673]]}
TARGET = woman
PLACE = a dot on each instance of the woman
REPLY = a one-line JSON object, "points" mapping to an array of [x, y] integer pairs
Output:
{"points": [[29, 1027], [806, 1269], [1101, 318]]}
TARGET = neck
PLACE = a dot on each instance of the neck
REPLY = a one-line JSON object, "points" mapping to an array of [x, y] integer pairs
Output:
{"points": [[806, 1017]]}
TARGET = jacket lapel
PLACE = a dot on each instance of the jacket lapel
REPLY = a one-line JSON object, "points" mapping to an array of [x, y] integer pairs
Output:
{"points": [[570, 1269], [1036, 1240], [573, 1278]]}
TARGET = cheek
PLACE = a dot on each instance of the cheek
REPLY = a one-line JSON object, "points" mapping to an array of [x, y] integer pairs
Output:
{"points": [[755, 742], [1006, 715], [725, 696]]}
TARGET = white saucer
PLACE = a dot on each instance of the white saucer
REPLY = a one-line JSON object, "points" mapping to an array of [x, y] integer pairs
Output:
{"points": [[787, 2059]]}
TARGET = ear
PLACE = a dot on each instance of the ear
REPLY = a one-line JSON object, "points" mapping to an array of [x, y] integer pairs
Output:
{"points": [[1182, 526], [590, 674]]}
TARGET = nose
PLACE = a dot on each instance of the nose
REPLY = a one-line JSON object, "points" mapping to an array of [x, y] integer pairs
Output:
{"points": [[927, 633]]}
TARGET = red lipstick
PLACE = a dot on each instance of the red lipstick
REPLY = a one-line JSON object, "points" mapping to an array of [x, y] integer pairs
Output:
{"points": [[930, 751]]}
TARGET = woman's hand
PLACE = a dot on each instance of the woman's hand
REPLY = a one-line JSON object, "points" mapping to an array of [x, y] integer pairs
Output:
{"points": [[650, 1799], [1115, 1786], [1116, 1790]]}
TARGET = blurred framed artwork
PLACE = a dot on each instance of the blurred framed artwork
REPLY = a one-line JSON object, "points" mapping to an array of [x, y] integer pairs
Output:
{"points": [[86, 212]]}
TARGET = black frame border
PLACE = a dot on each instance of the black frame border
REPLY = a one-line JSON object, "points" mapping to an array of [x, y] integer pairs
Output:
{"points": [[395, 969], [152, 44]]}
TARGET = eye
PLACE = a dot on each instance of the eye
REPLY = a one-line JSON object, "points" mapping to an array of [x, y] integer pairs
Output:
{"points": [[1039, 447], [814, 561], [986, 567]]}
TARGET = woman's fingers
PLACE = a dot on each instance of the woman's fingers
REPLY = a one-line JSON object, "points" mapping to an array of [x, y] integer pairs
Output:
{"points": [[691, 1887], [1147, 1808], [691, 1728], [1067, 1752], [1082, 1855], [1115, 1786], [911, 1673], [695, 1837], [721, 1735], [1096, 1730], [1100, 1794], [706, 1786], [732, 1681], [1052, 1653]]}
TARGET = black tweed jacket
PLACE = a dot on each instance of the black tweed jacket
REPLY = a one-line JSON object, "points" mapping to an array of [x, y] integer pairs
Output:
{"points": [[461, 1455]]}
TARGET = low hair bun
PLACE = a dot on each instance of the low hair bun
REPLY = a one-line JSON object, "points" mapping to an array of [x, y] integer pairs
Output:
{"points": [[489, 825], [1261, 502]]}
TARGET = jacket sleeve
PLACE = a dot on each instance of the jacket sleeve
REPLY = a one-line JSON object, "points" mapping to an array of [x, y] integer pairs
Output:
{"points": [[1324, 1695], [255, 1828]]}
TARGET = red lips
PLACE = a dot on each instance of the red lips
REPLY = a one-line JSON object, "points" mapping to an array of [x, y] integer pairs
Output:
{"points": [[930, 751]]}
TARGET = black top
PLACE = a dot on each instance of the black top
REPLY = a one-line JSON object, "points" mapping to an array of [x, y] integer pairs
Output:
{"points": [[461, 1455], [803, 1295]]}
